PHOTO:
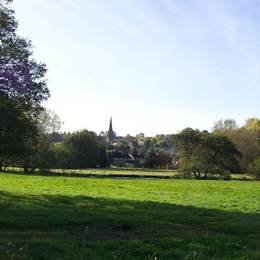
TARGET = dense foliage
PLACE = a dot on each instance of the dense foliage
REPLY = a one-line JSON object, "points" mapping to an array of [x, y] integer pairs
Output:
{"points": [[22, 89], [204, 153], [246, 138], [254, 168], [21, 77]]}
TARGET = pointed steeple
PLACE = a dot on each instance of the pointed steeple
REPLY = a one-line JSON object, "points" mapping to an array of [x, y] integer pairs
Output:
{"points": [[110, 135]]}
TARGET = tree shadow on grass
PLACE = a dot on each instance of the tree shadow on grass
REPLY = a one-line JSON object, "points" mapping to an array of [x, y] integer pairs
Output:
{"points": [[98, 174], [81, 227]]}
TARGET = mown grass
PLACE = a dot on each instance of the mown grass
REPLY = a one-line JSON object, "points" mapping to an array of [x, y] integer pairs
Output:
{"points": [[45, 217]]}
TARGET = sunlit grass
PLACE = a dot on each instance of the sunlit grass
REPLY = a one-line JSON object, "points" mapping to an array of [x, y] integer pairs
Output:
{"points": [[78, 218]]}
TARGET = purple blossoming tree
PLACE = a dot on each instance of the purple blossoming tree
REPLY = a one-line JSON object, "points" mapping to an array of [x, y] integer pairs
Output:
{"points": [[21, 77]]}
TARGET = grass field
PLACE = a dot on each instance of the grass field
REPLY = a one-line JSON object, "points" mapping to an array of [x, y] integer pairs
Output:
{"points": [[45, 217]]}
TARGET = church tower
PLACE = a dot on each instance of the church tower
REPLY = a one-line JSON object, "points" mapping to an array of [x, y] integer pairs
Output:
{"points": [[110, 134]]}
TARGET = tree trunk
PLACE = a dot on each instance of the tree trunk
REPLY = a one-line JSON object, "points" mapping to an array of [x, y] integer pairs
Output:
{"points": [[1, 165], [196, 175], [32, 170], [25, 168]]}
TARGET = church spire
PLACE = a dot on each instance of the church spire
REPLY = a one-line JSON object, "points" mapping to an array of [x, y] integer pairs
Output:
{"points": [[111, 135]]}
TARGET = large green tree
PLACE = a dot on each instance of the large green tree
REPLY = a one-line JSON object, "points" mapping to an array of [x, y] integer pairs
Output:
{"points": [[253, 125], [16, 132], [204, 154], [89, 149], [22, 88], [246, 138], [39, 152]]}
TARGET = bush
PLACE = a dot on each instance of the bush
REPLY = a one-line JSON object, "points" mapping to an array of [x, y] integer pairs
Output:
{"points": [[254, 168]]}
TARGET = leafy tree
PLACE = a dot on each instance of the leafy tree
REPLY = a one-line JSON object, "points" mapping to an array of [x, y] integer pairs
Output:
{"points": [[253, 125], [247, 144], [16, 131], [140, 138], [245, 138], [39, 153], [89, 149], [21, 77], [22, 88], [157, 159], [254, 168], [203, 153], [49, 122], [64, 155], [121, 148], [160, 151], [225, 125], [150, 159], [188, 142]]}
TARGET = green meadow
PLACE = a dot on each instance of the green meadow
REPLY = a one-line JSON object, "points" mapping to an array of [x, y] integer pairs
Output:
{"points": [[57, 217]]}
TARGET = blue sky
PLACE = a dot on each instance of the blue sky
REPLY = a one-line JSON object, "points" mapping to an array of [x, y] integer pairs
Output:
{"points": [[156, 66]]}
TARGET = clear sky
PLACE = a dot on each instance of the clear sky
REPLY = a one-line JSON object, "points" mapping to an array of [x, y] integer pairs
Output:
{"points": [[156, 66]]}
